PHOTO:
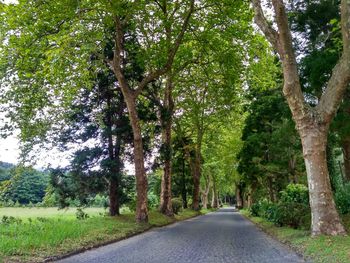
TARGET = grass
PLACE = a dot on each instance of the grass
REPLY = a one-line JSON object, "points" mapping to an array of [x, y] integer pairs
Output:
{"points": [[48, 212], [47, 232], [321, 249]]}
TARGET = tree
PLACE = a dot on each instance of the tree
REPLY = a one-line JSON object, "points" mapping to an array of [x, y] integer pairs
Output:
{"points": [[58, 60], [98, 123], [174, 36], [312, 122], [321, 49], [25, 185]]}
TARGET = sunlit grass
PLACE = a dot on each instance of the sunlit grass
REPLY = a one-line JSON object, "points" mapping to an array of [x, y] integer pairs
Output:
{"points": [[49, 212], [47, 232]]}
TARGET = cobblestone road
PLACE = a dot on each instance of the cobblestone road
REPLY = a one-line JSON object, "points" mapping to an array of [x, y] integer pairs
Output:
{"points": [[223, 236]]}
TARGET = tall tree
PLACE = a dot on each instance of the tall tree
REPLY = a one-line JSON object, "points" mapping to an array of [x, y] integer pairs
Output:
{"points": [[312, 122], [174, 36], [58, 61]]}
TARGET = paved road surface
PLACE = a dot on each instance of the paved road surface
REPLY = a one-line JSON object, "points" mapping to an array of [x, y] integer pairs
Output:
{"points": [[223, 236]]}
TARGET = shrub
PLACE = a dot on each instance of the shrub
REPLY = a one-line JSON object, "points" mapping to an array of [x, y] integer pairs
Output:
{"points": [[292, 209], [295, 193], [153, 200], [342, 199], [80, 214], [254, 210], [177, 205], [292, 214]]}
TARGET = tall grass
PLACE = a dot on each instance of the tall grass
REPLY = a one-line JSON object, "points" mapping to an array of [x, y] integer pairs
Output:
{"points": [[45, 234]]}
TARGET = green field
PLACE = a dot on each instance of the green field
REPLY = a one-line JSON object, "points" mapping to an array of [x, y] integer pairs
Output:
{"points": [[50, 212], [40, 233]]}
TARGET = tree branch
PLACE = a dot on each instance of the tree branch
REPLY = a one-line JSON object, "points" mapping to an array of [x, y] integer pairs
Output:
{"points": [[260, 19], [171, 54], [282, 42], [118, 57], [340, 79]]}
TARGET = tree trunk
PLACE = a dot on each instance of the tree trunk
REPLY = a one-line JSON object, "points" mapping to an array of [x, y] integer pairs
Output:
{"points": [[113, 197], [214, 201], [292, 169], [183, 182], [114, 167], [204, 200], [197, 169], [140, 174], [346, 156], [239, 199], [196, 180], [324, 216], [196, 184], [166, 116], [312, 123]]}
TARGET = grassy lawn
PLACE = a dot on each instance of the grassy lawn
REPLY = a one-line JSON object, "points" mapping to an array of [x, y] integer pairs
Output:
{"points": [[320, 249], [47, 232], [49, 212]]}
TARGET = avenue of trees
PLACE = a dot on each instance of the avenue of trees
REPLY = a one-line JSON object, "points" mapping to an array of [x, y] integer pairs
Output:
{"points": [[210, 101]]}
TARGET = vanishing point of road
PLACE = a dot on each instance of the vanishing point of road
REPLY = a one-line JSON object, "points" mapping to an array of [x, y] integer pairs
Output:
{"points": [[222, 236]]}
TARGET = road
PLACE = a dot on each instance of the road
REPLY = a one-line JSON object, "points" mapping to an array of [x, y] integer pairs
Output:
{"points": [[222, 236]]}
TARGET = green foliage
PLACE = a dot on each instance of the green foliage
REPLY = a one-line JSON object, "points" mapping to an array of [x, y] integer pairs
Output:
{"points": [[25, 185], [176, 204], [295, 193], [342, 199], [99, 201], [292, 214], [292, 209]]}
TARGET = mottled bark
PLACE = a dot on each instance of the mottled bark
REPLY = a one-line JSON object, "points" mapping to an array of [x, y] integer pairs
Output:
{"points": [[166, 124], [215, 199], [196, 178], [325, 219], [205, 192], [239, 199], [140, 174], [312, 123]]}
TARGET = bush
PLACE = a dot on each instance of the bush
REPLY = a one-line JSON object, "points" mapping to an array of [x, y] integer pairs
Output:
{"points": [[295, 193], [81, 215], [292, 209], [254, 210], [177, 205], [292, 214], [342, 199], [153, 200]]}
